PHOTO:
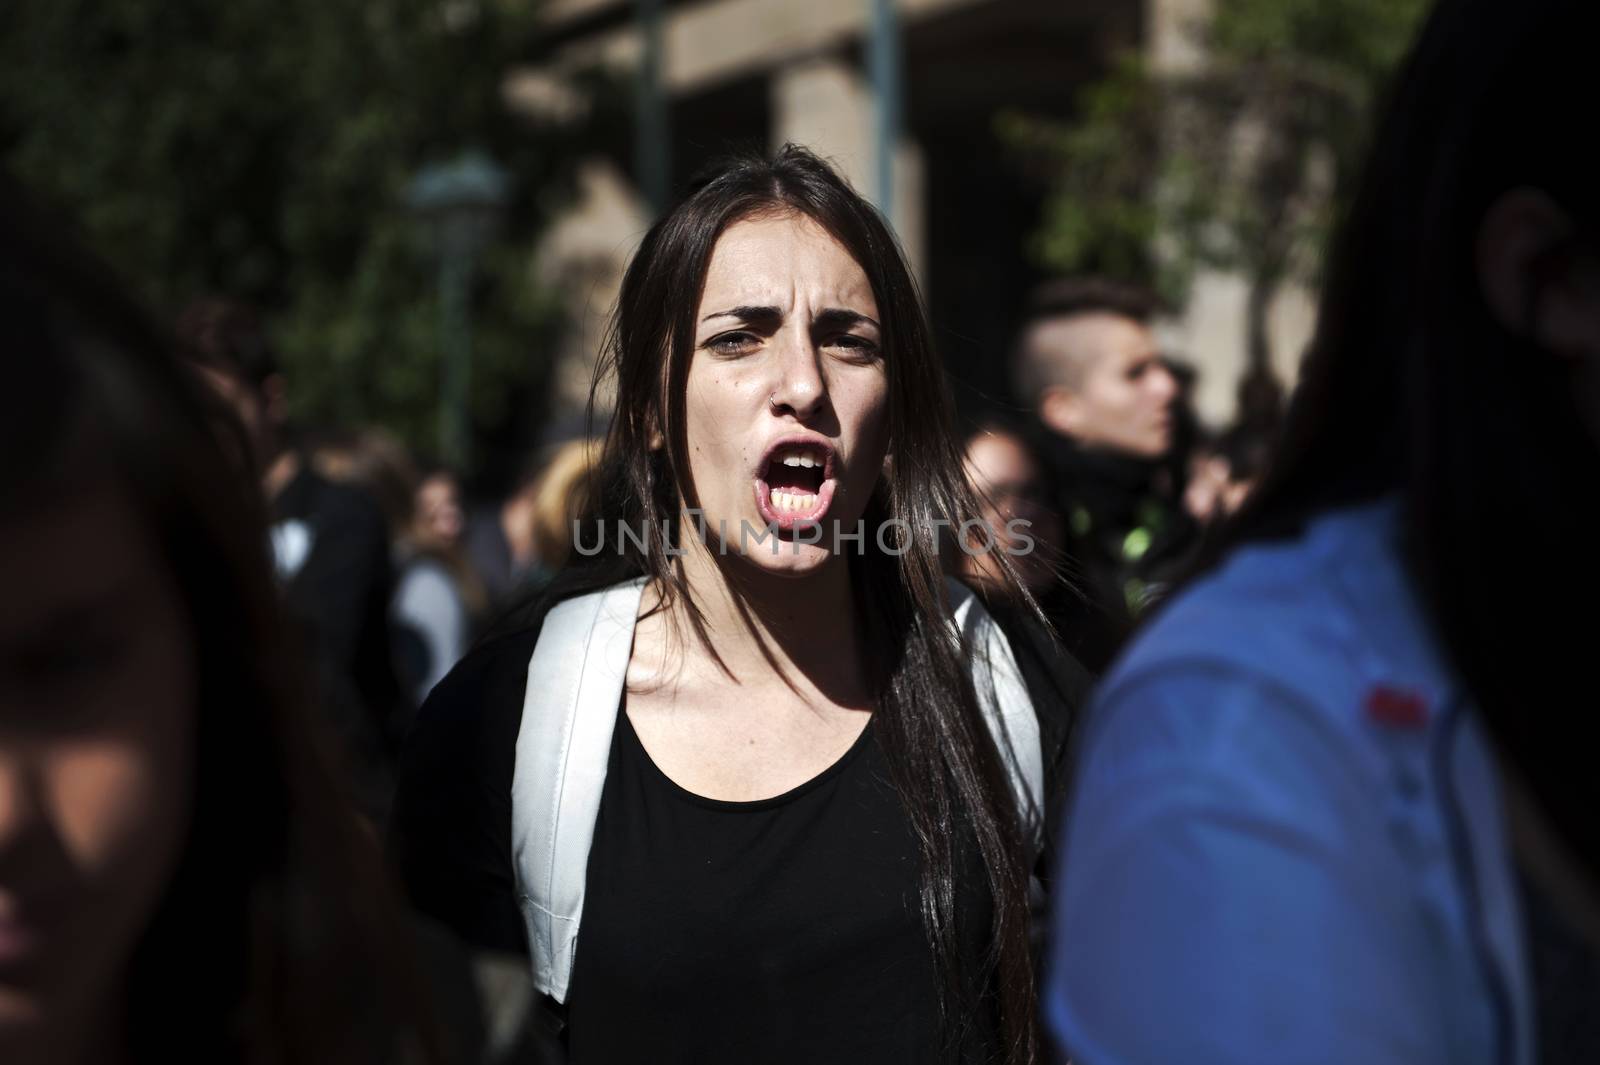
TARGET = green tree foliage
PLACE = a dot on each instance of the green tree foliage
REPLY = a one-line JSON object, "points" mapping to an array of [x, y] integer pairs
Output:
{"points": [[1240, 164], [262, 148]]}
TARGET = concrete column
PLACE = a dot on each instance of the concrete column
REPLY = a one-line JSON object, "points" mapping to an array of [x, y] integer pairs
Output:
{"points": [[825, 104], [1170, 43], [583, 256]]}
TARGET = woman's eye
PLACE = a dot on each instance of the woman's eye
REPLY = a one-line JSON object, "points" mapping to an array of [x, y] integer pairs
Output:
{"points": [[856, 347], [732, 343]]}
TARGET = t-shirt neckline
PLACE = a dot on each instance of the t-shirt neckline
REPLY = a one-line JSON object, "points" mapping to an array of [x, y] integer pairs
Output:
{"points": [[839, 765]]}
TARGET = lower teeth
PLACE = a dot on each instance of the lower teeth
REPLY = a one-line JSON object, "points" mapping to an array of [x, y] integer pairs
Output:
{"points": [[791, 502]]}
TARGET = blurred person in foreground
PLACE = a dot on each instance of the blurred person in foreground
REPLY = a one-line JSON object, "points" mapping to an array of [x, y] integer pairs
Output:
{"points": [[1088, 366], [180, 879], [330, 547], [1306, 789]]}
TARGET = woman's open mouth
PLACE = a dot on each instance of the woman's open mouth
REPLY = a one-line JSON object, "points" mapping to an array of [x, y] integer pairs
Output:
{"points": [[796, 483]]}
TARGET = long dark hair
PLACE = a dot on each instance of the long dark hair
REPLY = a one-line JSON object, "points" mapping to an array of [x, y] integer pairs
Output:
{"points": [[1413, 388], [943, 763], [278, 939]]}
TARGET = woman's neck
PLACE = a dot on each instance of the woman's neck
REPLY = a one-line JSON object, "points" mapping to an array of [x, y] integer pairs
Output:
{"points": [[797, 629]]}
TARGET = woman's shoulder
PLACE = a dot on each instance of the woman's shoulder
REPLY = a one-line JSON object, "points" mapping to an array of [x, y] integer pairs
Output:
{"points": [[1294, 659], [485, 691], [1325, 615]]}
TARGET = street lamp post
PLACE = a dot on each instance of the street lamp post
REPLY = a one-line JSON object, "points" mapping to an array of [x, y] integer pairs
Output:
{"points": [[651, 142], [461, 201], [884, 63]]}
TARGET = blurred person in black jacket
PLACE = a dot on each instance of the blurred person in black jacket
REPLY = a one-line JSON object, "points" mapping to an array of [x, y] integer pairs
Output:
{"points": [[1106, 404], [330, 548], [499, 541], [180, 877]]}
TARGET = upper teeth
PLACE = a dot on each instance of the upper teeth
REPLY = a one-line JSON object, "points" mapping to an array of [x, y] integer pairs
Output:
{"points": [[799, 458]]}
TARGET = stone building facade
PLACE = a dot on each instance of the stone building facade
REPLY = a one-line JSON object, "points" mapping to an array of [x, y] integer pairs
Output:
{"points": [[763, 72]]}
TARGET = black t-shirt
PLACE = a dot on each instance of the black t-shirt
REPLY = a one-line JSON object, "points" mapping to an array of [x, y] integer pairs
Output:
{"points": [[781, 930]]}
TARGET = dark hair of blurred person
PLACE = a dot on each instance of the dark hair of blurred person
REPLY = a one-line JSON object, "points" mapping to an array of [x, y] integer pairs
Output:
{"points": [[1106, 425], [1324, 728], [1224, 471], [180, 879], [1042, 363], [371, 459], [883, 914], [330, 547]]}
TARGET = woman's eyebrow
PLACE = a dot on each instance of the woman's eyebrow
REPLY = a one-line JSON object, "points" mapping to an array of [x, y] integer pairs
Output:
{"points": [[751, 315], [838, 318]]}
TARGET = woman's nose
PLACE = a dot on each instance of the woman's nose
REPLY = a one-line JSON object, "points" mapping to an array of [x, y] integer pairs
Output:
{"points": [[800, 389]]}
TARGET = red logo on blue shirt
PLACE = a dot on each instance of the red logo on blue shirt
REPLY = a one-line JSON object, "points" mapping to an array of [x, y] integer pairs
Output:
{"points": [[1397, 708]]}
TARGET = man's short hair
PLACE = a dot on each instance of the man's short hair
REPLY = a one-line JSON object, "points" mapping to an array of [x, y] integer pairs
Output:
{"points": [[226, 335], [1067, 296], [1070, 297]]}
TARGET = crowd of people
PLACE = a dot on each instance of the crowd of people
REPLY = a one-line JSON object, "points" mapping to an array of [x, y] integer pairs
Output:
{"points": [[782, 720], [386, 573]]}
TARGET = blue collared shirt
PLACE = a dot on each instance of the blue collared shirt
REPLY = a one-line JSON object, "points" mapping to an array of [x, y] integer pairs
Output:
{"points": [[1285, 843]]}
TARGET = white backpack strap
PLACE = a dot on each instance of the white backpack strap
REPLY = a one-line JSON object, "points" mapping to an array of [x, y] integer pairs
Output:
{"points": [[1007, 707], [575, 682]]}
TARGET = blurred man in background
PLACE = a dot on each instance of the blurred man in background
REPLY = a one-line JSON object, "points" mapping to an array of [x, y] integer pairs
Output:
{"points": [[330, 548], [1106, 406]]}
